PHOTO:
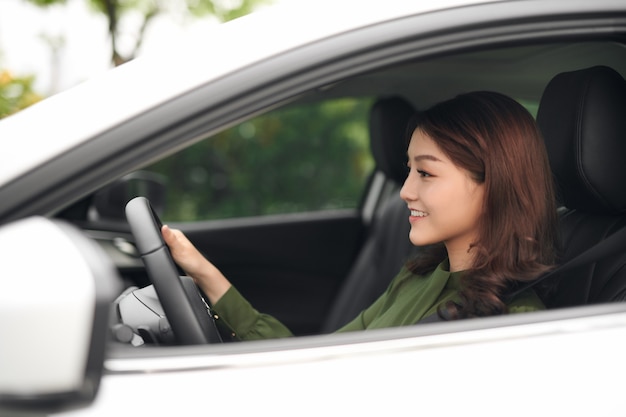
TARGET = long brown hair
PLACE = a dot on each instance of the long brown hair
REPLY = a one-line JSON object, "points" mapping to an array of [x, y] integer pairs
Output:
{"points": [[496, 140]]}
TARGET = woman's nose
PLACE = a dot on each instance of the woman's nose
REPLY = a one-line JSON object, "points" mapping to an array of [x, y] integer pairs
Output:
{"points": [[408, 191]]}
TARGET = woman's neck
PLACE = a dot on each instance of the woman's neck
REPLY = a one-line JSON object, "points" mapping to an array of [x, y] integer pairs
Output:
{"points": [[461, 258]]}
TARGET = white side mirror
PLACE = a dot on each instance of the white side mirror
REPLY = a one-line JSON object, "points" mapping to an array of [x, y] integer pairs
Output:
{"points": [[56, 288]]}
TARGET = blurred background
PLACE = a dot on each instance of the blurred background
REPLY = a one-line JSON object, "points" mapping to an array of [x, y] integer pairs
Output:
{"points": [[47, 46]]}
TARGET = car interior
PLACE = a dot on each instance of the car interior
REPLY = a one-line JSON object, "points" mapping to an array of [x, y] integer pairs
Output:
{"points": [[580, 116], [316, 270]]}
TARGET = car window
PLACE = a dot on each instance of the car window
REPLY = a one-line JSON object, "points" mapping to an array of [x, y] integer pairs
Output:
{"points": [[306, 157]]}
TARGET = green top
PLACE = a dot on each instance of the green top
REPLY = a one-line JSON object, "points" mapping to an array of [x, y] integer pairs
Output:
{"points": [[408, 299]]}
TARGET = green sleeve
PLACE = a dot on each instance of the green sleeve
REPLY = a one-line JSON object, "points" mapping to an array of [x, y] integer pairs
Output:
{"points": [[245, 322]]}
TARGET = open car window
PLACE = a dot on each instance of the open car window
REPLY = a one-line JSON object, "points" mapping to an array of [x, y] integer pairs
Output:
{"points": [[305, 157], [235, 192]]}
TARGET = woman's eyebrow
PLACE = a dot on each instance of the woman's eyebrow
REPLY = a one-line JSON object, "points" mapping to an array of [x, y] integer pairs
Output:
{"points": [[426, 157]]}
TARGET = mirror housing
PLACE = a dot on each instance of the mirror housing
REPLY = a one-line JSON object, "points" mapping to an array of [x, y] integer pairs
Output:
{"points": [[56, 289]]}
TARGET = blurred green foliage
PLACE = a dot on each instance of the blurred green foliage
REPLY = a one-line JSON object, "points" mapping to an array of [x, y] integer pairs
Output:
{"points": [[224, 10], [16, 93], [303, 158]]}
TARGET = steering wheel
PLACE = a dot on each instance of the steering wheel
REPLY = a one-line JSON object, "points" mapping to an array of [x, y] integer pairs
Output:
{"points": [[180, 298]]}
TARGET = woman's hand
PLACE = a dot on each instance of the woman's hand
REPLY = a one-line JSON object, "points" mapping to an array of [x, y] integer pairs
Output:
{"points": [[204, 273]]}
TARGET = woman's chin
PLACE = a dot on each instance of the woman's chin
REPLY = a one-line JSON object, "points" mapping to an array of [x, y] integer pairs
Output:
{"points": [[419, 240]]}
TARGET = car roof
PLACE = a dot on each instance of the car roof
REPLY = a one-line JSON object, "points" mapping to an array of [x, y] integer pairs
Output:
{"points": [[62, 121]]}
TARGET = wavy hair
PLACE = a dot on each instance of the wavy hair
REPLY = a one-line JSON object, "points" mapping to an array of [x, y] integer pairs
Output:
{"points": [[496, 140]]}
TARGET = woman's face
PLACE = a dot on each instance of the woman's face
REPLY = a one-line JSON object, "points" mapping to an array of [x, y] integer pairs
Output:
{"points": [[444, 202]]}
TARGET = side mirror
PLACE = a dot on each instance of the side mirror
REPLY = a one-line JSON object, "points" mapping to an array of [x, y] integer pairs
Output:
{"points": [[109, 203], [56, 289]]}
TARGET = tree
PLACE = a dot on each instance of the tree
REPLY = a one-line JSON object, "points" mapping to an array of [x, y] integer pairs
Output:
{"points": [[116, 10]]}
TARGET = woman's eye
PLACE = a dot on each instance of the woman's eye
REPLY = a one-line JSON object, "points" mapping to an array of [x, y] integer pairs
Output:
{"points": [[421, 173]]}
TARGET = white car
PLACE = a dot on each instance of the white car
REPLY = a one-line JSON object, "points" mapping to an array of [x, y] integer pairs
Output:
{"points": [[275, 146]]}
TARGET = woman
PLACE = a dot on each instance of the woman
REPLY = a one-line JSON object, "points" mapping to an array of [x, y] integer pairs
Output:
{"points": [[480, 196]]}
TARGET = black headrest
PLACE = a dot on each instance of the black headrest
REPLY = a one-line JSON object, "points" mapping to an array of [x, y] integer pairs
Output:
{"points": [[582, 116], [389, 118]]}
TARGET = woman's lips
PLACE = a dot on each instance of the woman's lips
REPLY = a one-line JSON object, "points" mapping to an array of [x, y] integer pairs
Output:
{"points": [[416, 215]]}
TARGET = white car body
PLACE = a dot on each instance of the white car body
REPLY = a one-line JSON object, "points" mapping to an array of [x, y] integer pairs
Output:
{"points": [[531, 368]]}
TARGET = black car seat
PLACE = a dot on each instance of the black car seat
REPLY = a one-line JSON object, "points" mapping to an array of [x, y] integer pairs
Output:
{"points": [[387, 246], [582, 116]]}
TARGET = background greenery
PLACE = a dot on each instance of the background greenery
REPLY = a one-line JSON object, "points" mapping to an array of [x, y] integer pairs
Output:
{"points": [[16, 93], [303, 158]]}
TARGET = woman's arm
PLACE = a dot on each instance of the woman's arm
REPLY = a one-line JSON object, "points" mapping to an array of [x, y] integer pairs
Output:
{"points": [[233, 309], [210, 279]]}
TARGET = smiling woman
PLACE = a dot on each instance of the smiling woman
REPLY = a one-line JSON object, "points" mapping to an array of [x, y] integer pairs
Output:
{"points": [[478, 197], [457, 185], [445, 201]]}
